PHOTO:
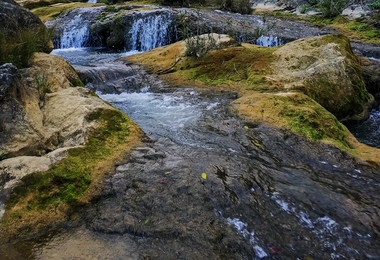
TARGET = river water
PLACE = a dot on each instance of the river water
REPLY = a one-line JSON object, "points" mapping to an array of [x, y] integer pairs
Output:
{"points": [[206, 184], [368, 132]]}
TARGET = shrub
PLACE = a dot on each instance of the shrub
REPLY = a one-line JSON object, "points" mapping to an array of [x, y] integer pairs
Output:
{"points": [[19, 48], [332, 8], [375, 4], [199, 45], [236, 6], [43, 86]]}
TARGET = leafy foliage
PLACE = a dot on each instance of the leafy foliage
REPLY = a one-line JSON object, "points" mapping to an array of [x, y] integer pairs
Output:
{"points": [[375, 4]]}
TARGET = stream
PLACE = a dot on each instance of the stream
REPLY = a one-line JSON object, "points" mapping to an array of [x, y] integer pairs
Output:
{"points": [[207, 185]]}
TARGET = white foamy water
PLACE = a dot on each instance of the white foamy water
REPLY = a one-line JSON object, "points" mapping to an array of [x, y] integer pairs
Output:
{"points": [[241, 228], [269, 41], [161, 115], [149, 32], [325, 228], [75, 33], [368, 132], [93, 57]]}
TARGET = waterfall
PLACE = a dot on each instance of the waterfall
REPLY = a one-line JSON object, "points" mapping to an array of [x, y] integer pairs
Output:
{"points": [[150, 31], [72, 28], [75, 33], [269, 41]]}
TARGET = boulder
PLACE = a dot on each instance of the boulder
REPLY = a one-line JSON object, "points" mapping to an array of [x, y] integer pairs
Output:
{"points": [[15, 19], [325, 69], [35, 121], [371, 75], [13, 169]]}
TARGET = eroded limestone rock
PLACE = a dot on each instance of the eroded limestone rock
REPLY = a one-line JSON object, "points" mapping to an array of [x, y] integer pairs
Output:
{"points": [[36, 121]]}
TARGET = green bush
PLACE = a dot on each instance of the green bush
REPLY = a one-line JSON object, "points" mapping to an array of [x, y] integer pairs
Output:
{"points": [[375, 4], [18, 49], [199, 45], [43, 86], [332, 8], [236, 6]]}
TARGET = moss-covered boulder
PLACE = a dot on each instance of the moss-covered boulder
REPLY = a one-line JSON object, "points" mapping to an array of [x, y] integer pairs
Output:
{"points": [[325, 69], [34, 104]]}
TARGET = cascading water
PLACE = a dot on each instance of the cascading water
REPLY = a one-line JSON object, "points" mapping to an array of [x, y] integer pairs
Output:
{"points": [[150, 31], [368, 132], [73, 28], [75, 33], [269, 41]]}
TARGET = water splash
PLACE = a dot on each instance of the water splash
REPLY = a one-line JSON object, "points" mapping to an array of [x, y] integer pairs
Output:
{"points": [[150, 31], [368, 132]]}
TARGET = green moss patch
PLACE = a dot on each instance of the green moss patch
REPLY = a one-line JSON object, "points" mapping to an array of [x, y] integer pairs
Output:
{"points": [[72, 181], [246, 65], [306, 117]]}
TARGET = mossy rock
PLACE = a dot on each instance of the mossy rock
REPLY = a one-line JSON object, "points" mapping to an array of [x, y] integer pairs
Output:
{"points": [[45, 199], [325, 69]]}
